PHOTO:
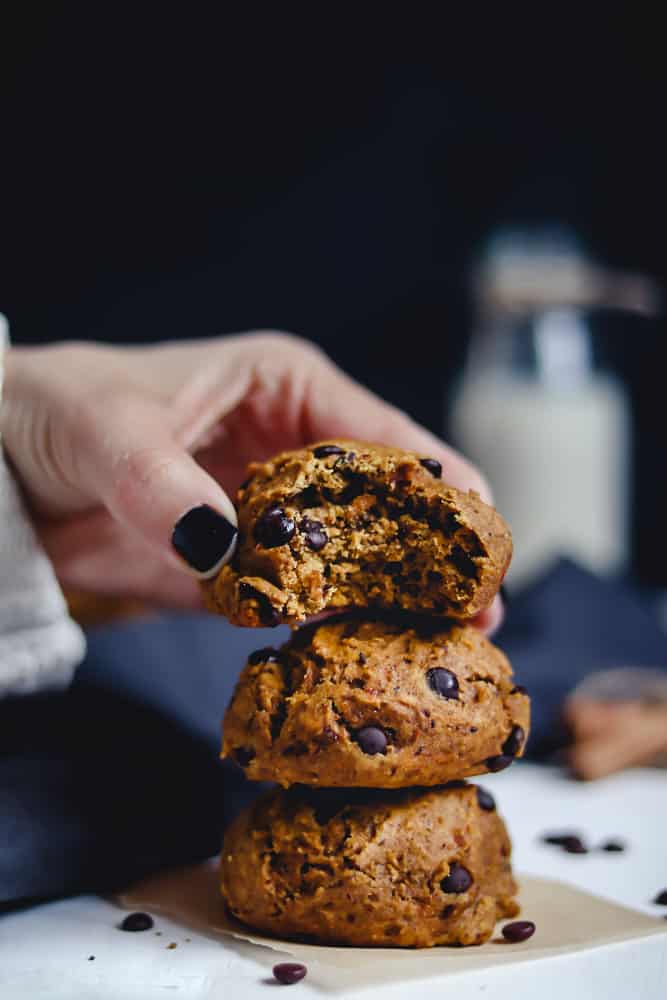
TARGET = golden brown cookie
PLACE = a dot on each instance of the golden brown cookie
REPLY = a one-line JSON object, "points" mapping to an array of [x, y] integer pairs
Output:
{"points": [[376, 702], [392, 869], [342, 524]]}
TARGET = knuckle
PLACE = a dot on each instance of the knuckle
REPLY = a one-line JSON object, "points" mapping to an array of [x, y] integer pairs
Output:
{"points": [[283, 343]]}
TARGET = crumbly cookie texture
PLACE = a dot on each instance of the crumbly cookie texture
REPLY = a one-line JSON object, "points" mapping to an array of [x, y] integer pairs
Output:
{"points": [[378, 703], [357, 867], [343, 524]]}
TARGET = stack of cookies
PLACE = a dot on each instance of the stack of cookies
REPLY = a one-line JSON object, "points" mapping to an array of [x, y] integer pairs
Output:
{"points": [[372, 717]]}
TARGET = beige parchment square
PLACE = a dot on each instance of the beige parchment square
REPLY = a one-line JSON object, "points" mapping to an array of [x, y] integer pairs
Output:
{"points": [[568, 920]]}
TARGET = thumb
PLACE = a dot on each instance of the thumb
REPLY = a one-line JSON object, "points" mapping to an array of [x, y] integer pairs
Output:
{"points": [[154, 488]]}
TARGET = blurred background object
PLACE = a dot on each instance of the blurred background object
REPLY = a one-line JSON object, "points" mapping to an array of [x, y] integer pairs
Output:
{"points": [[539, 408], [617, 719]]}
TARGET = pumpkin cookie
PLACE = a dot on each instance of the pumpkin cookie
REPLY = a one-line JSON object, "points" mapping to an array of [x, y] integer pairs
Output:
{"points": [[377, 702], [342, 524], [392, 869]]}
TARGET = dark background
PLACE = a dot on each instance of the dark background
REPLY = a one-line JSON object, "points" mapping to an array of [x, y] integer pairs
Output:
{"points": [[328, 170]]}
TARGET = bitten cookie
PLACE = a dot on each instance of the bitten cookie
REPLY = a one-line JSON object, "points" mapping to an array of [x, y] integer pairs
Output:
{"points": [[380, 702], [344, 524], [392, 869]]}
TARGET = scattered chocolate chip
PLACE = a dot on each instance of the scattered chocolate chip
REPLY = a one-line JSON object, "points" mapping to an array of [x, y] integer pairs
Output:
{"points": [[459, 879], [485, 799], [498, 763], [316, 536], [514, 741], [289, 973], [574, 845], [266, 655], [91, 958], [243, 755], [372, 740], [558, 839], [519, 689], [325, 450], [520, 930], [443, 682], [433, 466], [613, 846], [661, 898], [274, 528], [137, 922]]}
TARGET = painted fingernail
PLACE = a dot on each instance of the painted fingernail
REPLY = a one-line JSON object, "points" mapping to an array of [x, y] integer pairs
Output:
{"points": [[205, 539]]}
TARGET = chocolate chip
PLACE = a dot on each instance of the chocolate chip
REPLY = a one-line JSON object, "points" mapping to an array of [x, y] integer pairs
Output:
{"points": [[520, 930], [246, 483], [266, 655], [443, 682], [447, 912], [519, 689], [325, 450], [372, 740], [514, 741], [574, 845], [661, 898], [459, 879], [613, 846], [91, 958], [342, 464], [289, 973], [243, 755], [316, 536], [485, 799], [267, 613], [557, 838], [137, 922], [498, 763], [274, 528], [433, 466]]}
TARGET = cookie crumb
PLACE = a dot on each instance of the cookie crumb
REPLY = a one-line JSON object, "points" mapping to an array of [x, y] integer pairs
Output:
{"points": [[172, 946]]}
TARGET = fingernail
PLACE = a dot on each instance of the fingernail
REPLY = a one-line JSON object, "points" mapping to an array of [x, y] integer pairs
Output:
{"points": [[205, 539]]}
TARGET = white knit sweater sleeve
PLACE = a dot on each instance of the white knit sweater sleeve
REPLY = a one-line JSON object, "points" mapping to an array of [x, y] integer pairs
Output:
{"points": [[40, 645]]}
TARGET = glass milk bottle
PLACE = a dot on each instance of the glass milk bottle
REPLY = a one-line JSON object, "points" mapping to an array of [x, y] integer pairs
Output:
{"points": [[548, 426]]}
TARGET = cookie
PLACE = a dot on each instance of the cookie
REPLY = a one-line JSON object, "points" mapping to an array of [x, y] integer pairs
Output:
{"points": [[344, 524], [357, 867], [377, 702]]}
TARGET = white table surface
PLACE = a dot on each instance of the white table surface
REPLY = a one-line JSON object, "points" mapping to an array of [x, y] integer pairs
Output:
{"points": [[44, 951]]}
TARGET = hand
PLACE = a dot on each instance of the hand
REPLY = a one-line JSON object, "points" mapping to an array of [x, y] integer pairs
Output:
{"points": [[611, 736], [113, 445]]}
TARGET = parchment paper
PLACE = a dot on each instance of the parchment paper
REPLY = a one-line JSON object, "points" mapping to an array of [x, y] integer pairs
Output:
{"points": [[567, 919]]}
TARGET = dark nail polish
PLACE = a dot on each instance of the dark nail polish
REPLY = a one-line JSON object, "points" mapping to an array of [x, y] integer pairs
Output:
{"points": [[204, 538]]}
